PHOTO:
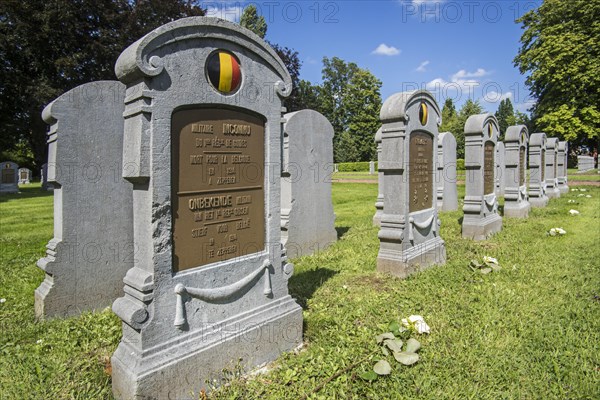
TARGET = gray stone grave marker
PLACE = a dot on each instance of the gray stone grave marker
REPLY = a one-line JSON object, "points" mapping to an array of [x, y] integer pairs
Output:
{"points": [[92, 247], [447, 193], [409, 235], [500, 169], [44, 177], [379, 202], [481, 218], [552, 190], [537, 170], [9, 182], [24, 176], [585, 163], [371, 167], [563, 151], [516, 202], [208, 289], [307, 218]]}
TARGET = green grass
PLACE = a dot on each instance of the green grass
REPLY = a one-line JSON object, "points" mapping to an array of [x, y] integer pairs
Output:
{"points": [[530, 331], [575, 176]]}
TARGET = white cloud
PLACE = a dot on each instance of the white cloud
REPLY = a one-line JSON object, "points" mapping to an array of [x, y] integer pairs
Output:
{"points": [[385, 50], [495, 97], [462, 84], [464, 74], [421, 67]]}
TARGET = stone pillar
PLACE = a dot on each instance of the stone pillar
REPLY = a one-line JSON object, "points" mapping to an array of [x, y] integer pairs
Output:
{"points": [[516, 202], [552, 190], [447, 193], [537, 170], [379, 202], [500, 177], [563, 151]]}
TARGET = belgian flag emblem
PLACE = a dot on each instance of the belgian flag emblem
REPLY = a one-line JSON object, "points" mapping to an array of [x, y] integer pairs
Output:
{"points": [[223, 70], [423, 114]]}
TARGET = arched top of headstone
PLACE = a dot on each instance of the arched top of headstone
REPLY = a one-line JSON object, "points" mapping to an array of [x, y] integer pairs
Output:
{"points": [[517, 133], [141, 59], [446, 138], [303, 116], [9, 165], [483, 124], [552, 143], [538, 139], [562, 146], [394, 108], [378, 135]]}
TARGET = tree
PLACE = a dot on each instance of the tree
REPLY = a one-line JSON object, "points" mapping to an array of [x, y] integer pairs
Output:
{"points": [[560, 53], [250, 20], [293, 64], [50, 47], [469, 108], [505, 116], [449, 117], [308, 96]]}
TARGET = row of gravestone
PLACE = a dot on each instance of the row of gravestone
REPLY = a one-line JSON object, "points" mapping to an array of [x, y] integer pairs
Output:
{"points": [[585, 163], [12, 176]]}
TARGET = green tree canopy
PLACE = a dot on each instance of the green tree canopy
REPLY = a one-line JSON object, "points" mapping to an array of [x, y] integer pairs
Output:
{"points": [[505, 116], [560, 53], [469, 108], [250, 20], [449, 117]]}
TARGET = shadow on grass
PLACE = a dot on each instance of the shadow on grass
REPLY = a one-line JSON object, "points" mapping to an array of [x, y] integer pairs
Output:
{"points": [[303, 285], [341, 231], [460, 220], [25, 192]]}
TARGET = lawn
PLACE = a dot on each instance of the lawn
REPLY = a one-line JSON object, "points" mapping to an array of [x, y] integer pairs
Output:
{"points": [[530, 330]]}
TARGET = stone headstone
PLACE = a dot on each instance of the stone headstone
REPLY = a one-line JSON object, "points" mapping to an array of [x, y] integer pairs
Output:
{"points": [[516, 202], [537, 170], [371, 167], [9, 182], [208, 288], [307, 218], [44, 177], [335, 168], [379, 202], [585, 163], [409, 235], [500, 169], [92, 247], [24, 176], [447, 194], [552, 168], [481, 217], [563, 151]]}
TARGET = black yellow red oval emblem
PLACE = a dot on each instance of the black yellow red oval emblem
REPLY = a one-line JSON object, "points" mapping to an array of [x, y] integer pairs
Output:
{"points": [[490, 130], [224, 72], [423, 114]]}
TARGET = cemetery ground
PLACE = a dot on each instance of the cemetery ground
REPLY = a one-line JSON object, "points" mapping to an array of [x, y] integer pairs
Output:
{"points": [[530, 330]]}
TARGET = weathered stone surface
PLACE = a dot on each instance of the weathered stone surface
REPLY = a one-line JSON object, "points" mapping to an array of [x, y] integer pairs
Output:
{"points": [[516, 202], [379, 202], [409, 234], [92, 247], [563, 152], [585, 163], [552, 190], [307, 218], [9, 182], [182, 327], [500, 177], [537, 170], [481, 218], [447, 193], [24, 176]]}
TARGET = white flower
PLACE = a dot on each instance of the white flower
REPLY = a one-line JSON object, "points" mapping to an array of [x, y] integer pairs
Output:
{"points": [[583, 190], [571, 201], [39, 341], [573, 212], [417, 323], [588, 195], [489, 260], [557, 231], [580, 195], [574, 190], [2, 300]]}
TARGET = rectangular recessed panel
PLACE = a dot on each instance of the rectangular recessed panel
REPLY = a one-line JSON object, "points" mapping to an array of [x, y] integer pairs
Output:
{"points": [[522, 166], [217, 183], [421, 171], [488, 168], [543, 165], [8, 176]]}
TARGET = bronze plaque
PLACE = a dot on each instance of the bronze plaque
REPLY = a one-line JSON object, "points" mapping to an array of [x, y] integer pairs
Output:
{"points": [[522, 166], [488, 168], [217, 180], [421, 171], [8, 175], [543, 165], [23, 174]]}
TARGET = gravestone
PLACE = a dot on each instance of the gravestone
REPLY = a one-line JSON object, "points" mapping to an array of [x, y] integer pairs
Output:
{"points": [[409, 234], [537, 170], [307, 218], [585, 163], [379, 202], [44, 177], [335, 168], [447, 194], [563, 151], [9, 182], [24, 176], [92, 247], [552, 168], [208, 288], [516, 202], [500, 169], [371, 167], [481, 218]]}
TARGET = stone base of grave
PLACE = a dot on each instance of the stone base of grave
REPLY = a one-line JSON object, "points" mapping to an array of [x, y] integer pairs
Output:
{"points": [[6, 188], [181, 370], [538, 202], [517, 210], [553, 193], [417, 258], [377, 218], [563, 188], [481, 228]]}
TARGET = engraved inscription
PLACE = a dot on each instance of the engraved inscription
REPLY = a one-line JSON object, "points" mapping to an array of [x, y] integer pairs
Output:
{"points": [[421, 171], [23, 174], [8, 175], [543, 165], [217, 185], [488, 168], [522, 166]]}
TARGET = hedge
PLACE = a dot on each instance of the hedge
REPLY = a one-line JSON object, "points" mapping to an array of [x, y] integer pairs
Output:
{"points": [[364, 166]]}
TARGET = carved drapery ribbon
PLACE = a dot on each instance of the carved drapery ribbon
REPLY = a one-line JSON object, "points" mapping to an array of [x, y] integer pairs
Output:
{"points": [[421, 225], [217, 294], [491, 203]]}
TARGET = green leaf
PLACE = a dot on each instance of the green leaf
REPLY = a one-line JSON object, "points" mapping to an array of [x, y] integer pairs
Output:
{"points": [[394, 327], [384, 336], [382, 367], [369, 376], [406, 358], [385, 351], [486, 271], [395, 345], [495, 267], [412, 346]]}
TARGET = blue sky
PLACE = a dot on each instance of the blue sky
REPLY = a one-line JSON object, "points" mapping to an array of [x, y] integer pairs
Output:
{"points": [[458, 49]]}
